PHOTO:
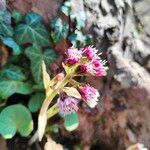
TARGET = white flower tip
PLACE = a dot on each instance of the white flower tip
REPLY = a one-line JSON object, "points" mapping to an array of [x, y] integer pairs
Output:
{"points": [[92, 104]]}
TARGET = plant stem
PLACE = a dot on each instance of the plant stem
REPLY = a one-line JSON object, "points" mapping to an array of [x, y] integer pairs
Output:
{"points": [[52, 111], [33, 138]]}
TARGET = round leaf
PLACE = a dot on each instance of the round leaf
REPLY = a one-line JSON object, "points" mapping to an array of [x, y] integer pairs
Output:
{"points": [[9, 87], [71, 121], [15, 118]]}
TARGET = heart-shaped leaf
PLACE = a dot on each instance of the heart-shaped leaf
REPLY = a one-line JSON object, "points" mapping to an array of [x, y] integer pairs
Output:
{"points": [[60, 31], [71, 121], [15, 118], [9, 87], [36, 102], [12, 44], [16, 15], [66, 7], [5, 23], [77, 38], [33, 31], [12, 72], [36, 57]]}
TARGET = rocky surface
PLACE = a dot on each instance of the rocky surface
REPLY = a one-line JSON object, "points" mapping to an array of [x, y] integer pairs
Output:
{"points": [[115, 26], [143, 10]]}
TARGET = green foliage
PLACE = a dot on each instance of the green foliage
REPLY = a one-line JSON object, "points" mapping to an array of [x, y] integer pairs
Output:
{"points": [[71, 121], [9, 87], [53, 128], [66, 8], [36, 57], [76, 36], [60, 30], [36, 101], [78, 39], [13, 72], [8, 41], [5, 21], [17, 78], [15, 118], [32, 31], [80, 19], [29, 42], [16, 15]]}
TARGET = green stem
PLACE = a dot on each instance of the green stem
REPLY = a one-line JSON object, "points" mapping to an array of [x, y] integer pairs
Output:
{"points": [[33, 138], [52, 111], [48, 100], [73, 82]]}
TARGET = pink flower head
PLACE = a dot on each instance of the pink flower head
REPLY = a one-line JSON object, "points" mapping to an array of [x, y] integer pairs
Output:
{"points": [[95, 67], [91, 52], [73, 55], [67, 105], [90, 95]]}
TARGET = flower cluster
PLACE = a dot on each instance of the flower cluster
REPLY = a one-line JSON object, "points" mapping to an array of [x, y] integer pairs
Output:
{"points": [[73, 55], [67, 105], [89, 63], [90, 95], [91, 52], [94, 65], [78, 63]]}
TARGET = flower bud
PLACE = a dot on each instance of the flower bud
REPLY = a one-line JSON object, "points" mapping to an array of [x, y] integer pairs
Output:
{"points": [[90, 95], [67, 105], [73, 55]]}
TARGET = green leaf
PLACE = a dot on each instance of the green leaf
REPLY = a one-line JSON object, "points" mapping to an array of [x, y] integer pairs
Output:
{"points": [[33, 31], [13, 72], [36, 101], [89, 40], [12, 44], [36, 57], [1, 78], [77, 38], [16, 15], [5, 23], [38, 87], [66, 7], [80, 19], [46, 80], [60, 31], [9, 87], [71, 91], [53, 128], [71, 121], [57, 22], [15, 118]]}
